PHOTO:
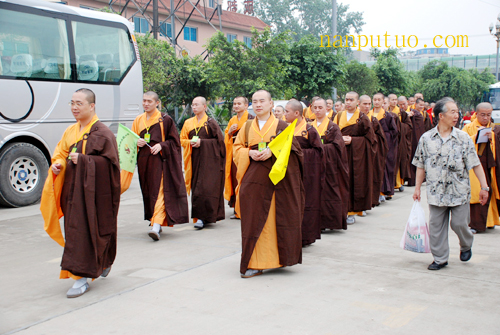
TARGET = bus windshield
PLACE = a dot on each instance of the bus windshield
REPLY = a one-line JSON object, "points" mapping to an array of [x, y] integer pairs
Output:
{"points": [[494, 98]]}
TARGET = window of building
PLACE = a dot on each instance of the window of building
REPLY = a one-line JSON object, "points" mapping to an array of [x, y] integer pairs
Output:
{"points": [[34, 46], [248, 41], [190, 34], [103, 53], [166, 29], [212, 3], [141, 25], [231, 37]]}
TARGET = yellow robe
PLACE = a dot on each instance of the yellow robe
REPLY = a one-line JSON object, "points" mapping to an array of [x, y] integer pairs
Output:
{"points": [[493, 215], [309, 114], [50, 204]]}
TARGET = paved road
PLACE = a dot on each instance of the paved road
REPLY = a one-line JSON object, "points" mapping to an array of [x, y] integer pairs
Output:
{"points": [[351, 282]]}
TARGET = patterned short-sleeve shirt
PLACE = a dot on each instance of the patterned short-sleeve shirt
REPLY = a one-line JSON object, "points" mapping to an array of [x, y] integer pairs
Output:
{"points": [[446, 163]]}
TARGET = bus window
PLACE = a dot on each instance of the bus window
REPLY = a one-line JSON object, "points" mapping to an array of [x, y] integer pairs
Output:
{"points": [[33, 46], [103, 53]]}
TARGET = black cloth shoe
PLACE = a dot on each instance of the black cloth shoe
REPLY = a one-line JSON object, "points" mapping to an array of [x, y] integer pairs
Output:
{"points": [[436, 266], [465, 255]]}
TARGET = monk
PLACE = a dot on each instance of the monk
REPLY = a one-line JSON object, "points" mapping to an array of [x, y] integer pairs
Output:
{"points": [[411, 102], [83, 185], [482, 217], [420, 107], [403, 122], [335, 191], [418, 129], [314, 167], [309, 113], [204, 162], [279, 112], [339, 106], [381, 148], [271, 216], [159, 164], [385, 106], [240, 106], [330, 112], [360, 139], [388, 122]]}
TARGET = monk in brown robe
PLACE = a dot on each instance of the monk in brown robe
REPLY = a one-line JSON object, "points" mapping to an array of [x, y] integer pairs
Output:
{"points": [[279, 112], [360, 140], [204, 161], [482, 217], [271, 216], [420, 107], [314, 166], [309, 115], [338, 107], [411, 102], [404, 125], [240, 106], [330, 111], [335, 191], [385, 106], [365, 105], [418, 130], [159, 164], [388, 122], [83, 185]]}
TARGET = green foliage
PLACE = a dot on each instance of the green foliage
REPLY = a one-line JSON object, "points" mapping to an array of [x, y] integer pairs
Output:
{"points": [[390, 71], [313, 70], [465, 86], [236, 70], [312, 17], [361, 79]]}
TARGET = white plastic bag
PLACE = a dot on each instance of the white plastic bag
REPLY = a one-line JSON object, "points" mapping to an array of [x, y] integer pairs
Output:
{"points": [[416, 235]]}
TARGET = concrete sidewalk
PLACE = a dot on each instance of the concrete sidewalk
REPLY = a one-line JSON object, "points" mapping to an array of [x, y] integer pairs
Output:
{"points": [[351, 282]]}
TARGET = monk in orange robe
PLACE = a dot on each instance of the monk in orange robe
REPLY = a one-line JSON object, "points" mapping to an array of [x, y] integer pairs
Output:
{"points": [[330, 111], [272, 214], [279, 113], [159, 164], [83, 185], [240, 106], [204, 163], [420, 107], [482, 217], [309, 114]]}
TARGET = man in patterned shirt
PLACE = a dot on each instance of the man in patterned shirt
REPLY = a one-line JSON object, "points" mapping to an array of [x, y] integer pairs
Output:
{"points": [[444, 157]]}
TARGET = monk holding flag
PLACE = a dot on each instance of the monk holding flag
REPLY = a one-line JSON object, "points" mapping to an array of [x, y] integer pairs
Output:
{"points": [[159, 163], [83, 185], [360, 140], [482, 217], [335, 190], [240, 106], [314, 166], [204, 162], [388, 122], [271, 214]]}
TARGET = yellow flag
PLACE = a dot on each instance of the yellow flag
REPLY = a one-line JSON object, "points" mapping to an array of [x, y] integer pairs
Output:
{"points": [[281, 147]]}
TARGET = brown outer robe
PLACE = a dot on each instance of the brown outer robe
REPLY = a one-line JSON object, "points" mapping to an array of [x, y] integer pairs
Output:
{"points": [[389, 125], [378, 160], [335, 194], [360, 156], [207, 182], [89, 200], [418, 129], [404, 145], [151, 168], [255, 194], [314, 167]]}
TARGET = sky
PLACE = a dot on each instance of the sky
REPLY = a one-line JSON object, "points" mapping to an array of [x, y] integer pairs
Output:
{"points": [[426, 19]]}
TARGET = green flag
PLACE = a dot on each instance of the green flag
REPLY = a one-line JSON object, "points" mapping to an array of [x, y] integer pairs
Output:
{"points": [[127, 148]]}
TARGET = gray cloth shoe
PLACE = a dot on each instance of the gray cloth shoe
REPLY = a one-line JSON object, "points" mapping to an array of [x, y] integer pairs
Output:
{"points": [[76, 292], [363, 214], [154, 235], [402, 188], [199, 224], [105, 272], [381, 198], [350, 219], [251, 273]]}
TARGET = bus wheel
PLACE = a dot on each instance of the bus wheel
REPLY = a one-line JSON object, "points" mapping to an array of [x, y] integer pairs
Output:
{"points": [[23, 169]]}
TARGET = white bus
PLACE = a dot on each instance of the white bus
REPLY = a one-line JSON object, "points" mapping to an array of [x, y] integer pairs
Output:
{"points": [[493, 97], [47, 52]]}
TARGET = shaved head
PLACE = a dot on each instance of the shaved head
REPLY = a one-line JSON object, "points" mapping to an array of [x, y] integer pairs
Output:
{"points": [[153, 95], [320, 101], [353, 93], [392, 96], [484, 106], [200, 100], [295, 106], [379, 94], [364, 97], [267, 93], [402, 98], [89, 95]]}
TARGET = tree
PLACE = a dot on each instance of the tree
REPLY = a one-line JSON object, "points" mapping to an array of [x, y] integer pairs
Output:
{"points": [[236, 70], [390, 71], [312, 17], [313, 70], [361, 79]]}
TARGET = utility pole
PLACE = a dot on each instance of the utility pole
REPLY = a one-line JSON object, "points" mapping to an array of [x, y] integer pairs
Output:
{"points": [[155, 19]]}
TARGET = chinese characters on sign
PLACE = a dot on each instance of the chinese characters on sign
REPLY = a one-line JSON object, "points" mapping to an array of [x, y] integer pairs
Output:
{"points": [[248, 6], [232, 6]]}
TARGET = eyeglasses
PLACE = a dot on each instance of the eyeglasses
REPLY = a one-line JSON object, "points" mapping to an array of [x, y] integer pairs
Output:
{"points": [[78, 103]]}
